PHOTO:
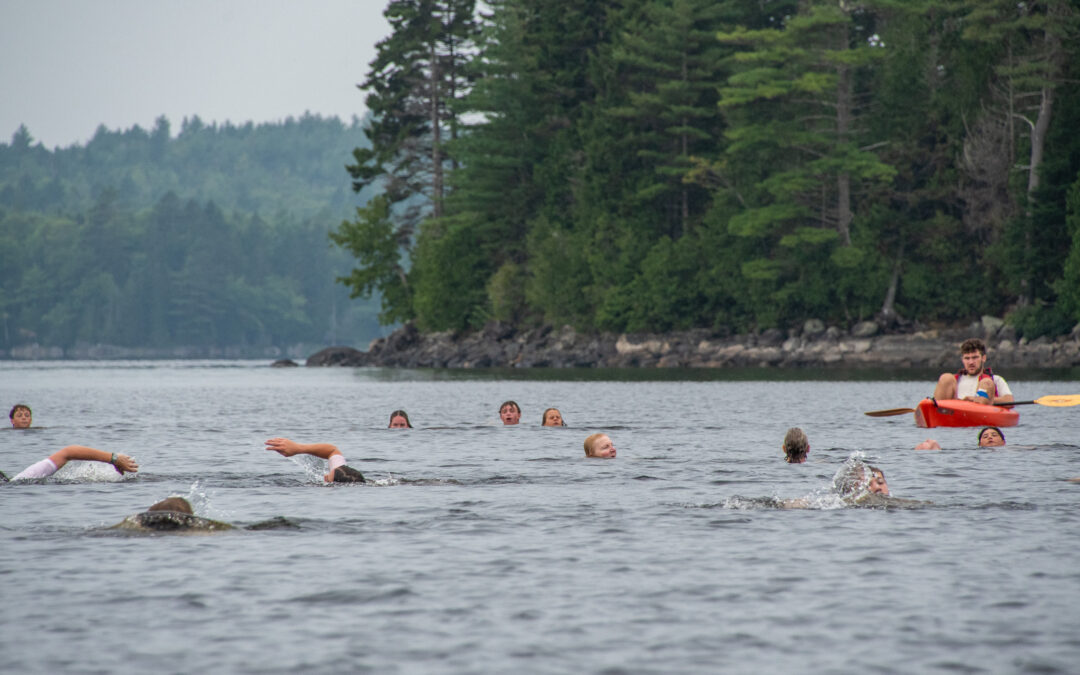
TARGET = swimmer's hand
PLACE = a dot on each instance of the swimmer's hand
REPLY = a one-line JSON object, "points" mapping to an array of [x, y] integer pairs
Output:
{"points": [[283, 446], [125, 464]]}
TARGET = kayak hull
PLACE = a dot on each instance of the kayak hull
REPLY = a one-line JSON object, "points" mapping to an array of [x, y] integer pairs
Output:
{"points": [[956, 413]]}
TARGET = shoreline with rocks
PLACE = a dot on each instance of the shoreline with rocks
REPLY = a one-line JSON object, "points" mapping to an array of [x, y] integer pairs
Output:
{"points": [[500, 345]]}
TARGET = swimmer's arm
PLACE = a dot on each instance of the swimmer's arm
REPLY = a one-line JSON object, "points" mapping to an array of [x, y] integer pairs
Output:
{"points": [[288, 448], [123, 462]]}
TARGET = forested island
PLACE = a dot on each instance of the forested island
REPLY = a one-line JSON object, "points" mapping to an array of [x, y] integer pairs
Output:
{"points": [[649, 166], [209, 242], [718, 169]]}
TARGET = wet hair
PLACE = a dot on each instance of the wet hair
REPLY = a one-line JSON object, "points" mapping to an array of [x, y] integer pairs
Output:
{"points": [[16, 407], [506, 403], [347, 474], [400, 413], [590, 444], [973, 345], [874, 471], [543, 418], [796, 445], [983, 430], [177, 504]]}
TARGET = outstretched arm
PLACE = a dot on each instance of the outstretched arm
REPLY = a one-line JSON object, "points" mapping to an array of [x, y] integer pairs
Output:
{"points": [[288, 448], [122, 463]]}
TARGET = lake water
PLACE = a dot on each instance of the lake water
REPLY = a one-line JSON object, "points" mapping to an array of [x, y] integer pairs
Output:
{"points": [[482, 549]]}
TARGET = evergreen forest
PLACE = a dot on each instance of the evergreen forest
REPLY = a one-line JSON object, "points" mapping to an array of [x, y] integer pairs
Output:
{"points": [[655, 165], [213, 237]]}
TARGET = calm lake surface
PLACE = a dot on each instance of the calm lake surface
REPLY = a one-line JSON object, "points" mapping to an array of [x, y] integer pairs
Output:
{"points": [[483, 549]]}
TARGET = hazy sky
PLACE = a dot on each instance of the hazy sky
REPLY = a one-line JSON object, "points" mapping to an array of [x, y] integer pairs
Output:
{"points": [[67, 66]]}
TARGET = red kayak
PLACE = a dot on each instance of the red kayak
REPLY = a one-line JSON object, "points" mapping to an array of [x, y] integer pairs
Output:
{"points": [[956, 413]]}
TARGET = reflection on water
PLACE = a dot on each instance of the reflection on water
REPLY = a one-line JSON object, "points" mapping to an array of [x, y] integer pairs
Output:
{"points": [[479, 548]]}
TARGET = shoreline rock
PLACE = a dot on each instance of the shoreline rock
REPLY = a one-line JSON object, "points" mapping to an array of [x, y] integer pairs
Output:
{"points": [[501, 345]]}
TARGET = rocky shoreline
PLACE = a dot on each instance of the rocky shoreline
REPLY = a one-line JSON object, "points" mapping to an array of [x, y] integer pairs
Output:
{"points": [[815, 345]]}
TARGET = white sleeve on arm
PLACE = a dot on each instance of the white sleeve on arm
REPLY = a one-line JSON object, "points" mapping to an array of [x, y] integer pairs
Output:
{"points": [[1001, 386], [42, 469]]}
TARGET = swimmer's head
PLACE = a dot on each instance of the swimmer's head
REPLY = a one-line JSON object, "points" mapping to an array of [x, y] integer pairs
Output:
{"points": [[21, 417], [796, 446], [177, 504], [347, 474], [399, 419], [510, 413], [877, 481], [599, 445], [991, 437], [553, 418]]}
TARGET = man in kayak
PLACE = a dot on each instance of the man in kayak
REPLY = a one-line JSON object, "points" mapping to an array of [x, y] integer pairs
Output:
{"points": [[975, 382]]}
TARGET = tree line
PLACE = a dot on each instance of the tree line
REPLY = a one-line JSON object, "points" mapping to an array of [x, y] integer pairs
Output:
{"points": [[649, 165], [216, 237]]}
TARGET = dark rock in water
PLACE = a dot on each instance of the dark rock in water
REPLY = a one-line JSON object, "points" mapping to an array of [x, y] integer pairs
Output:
{"points": [[335, 356], [284, 363]]}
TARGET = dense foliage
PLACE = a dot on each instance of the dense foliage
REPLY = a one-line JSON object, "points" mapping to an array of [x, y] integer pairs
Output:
{"points": [[214, 238], [666, 164]]}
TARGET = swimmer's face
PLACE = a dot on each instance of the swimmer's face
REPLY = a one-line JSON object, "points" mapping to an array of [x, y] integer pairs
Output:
{"points": [[399, 422], [21, 418], [510, 414], [990, 438], [878, 484], [553, 418], [604, 448]]}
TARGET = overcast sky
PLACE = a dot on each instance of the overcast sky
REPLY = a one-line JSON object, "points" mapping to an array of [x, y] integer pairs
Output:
{"points": [[67, 66]]}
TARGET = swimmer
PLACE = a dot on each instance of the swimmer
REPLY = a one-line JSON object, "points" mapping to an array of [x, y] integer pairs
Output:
{"points": [[877, 484], [338, 473], [796, 446], [54, 462], [599, 445], [171, 515], [399, 419], [21, 416], [552, 418], [991, 437], [928, 444], [510, 413]]}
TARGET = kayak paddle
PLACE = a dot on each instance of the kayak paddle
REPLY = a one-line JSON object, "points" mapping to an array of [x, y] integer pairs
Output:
{"points": [[1052, 401]]}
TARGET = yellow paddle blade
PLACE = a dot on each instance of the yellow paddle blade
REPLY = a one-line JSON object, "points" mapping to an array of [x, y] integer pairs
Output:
{"points": [[890, 412], [1059, 401]]}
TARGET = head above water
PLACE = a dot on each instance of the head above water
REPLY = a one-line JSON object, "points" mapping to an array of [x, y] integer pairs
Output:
{"points": [[796, 446], [991, 437], [552, 418], [510, 413], [399, 419], [177, 504], [600, 445], [21, 416]]}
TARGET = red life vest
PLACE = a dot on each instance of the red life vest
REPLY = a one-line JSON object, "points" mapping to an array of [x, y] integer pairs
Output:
{"points": [[986, 374]]}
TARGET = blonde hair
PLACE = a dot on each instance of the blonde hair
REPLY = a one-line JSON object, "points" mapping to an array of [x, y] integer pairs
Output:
{"points": [[590, 443], [796, 444]]}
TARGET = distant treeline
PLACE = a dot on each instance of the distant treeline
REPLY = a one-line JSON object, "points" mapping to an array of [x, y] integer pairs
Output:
{"points": [[647, 165], [214, 238]]}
